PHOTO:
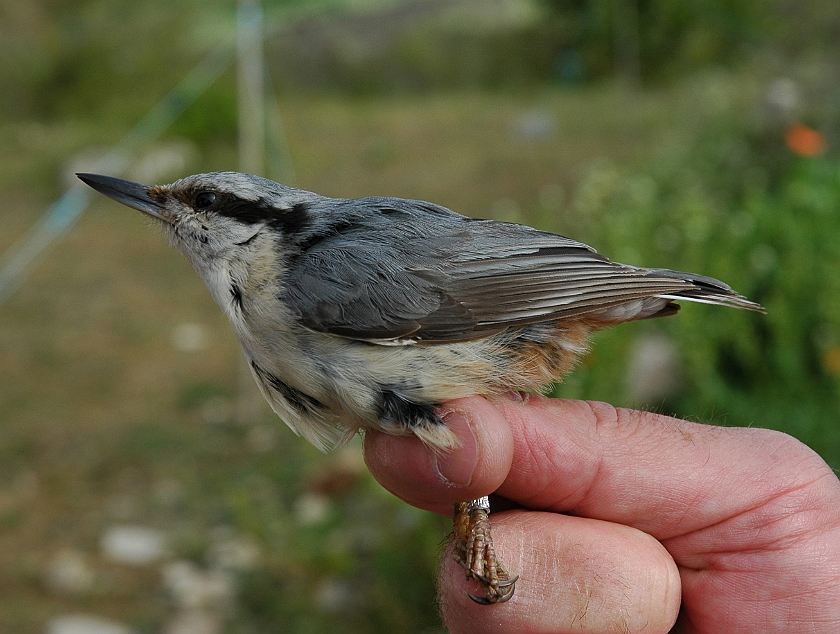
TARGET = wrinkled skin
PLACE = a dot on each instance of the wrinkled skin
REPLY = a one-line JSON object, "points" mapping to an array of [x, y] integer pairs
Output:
{"points": [[624, 521]]}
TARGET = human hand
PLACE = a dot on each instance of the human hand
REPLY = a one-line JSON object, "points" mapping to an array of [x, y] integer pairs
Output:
{"points": [[626, 521]]}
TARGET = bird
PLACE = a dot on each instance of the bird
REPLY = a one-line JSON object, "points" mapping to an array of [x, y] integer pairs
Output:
{"points": [[369, 313]]}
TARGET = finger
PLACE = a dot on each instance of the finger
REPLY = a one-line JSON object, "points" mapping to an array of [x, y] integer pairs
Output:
{"points": [[575, 575], [435, 480], [662, 475]]}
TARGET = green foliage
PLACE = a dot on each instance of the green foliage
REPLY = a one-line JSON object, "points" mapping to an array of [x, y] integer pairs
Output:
{"points": [[767, 223], [94, 56], [213, 117], [668, 37], [116, 59]]}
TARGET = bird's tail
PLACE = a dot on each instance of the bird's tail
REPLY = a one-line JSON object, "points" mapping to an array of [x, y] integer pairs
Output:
{"points": [[707, 290]]}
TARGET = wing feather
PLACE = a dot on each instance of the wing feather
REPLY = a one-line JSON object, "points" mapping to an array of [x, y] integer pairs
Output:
{"points": [[407, 271]]}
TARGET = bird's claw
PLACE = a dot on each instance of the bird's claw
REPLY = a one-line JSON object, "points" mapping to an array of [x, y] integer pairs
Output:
{"points": [[474, 551]]}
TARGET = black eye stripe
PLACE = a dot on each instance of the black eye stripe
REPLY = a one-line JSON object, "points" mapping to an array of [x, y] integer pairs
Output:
{"points": [[290, 221]]}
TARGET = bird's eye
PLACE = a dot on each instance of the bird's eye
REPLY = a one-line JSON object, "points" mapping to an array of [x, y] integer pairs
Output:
{"points": [[203, 200]]}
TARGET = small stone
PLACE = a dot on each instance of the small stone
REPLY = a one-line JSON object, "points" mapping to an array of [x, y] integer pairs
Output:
{"points": [[85, 624], [782, 100], [333, 595], [534, 125], [190, 337], [133, 545], [194, 588], [194, 622], [235, 553], [311, 509], [69, 573]]}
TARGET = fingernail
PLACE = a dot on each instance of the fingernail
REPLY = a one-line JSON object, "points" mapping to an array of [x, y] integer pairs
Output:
{"points": [[456, 467]]}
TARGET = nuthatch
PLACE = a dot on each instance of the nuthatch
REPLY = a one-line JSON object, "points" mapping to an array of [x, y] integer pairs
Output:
{"points": [[369, 313]]}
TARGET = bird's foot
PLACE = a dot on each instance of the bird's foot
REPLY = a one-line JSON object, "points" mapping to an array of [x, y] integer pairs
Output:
{"points": [[473, 549]]}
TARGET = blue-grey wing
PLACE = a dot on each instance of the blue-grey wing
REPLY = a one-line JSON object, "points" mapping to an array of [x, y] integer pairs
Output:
{"points": [[411, 271]]}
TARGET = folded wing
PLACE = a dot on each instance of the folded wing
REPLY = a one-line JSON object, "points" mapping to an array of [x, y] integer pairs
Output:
{"points": [[416, 273]]}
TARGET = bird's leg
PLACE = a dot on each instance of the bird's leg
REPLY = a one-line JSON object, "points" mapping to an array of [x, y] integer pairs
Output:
{"points": [[473, 549]]}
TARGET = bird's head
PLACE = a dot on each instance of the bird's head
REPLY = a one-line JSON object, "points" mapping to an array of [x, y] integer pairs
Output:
{"points": [[213, 216]]}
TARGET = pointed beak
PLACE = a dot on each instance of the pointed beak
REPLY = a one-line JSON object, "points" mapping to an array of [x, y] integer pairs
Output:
{"points": [[133, 195]]}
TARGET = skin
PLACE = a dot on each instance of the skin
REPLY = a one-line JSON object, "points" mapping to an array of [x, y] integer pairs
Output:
{"points": [[626, 521]]}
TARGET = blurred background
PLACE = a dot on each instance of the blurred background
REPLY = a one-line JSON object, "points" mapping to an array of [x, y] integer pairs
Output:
{"points": [[144, 488]]}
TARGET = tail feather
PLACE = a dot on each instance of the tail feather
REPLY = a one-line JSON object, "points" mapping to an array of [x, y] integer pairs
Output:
{"points": [[707, 290]]}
